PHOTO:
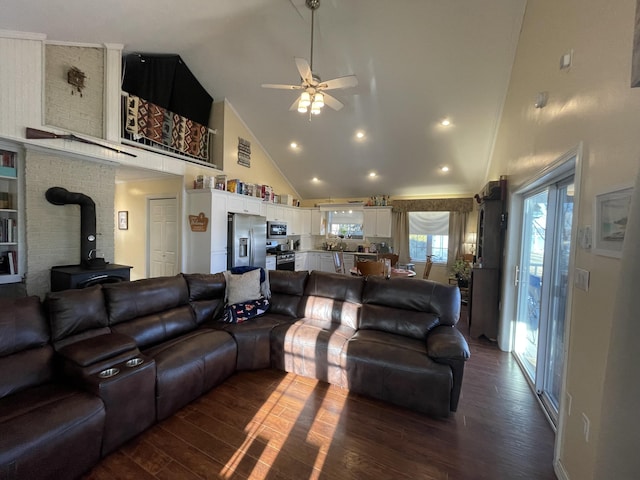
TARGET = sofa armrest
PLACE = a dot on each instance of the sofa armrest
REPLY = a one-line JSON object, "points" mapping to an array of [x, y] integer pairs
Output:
{"points": [[445, 344], [97, 349], [80, 360]]}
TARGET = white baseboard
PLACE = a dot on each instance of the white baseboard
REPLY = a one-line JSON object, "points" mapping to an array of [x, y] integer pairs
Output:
{"points": [[561, 473]]}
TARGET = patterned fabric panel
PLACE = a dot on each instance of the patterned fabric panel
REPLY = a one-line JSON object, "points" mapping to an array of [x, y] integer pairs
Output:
{"points": [[147, 120], [155, 120]]}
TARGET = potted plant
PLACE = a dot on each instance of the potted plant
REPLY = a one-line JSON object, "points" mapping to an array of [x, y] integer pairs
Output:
{"points": [[462, 271]]}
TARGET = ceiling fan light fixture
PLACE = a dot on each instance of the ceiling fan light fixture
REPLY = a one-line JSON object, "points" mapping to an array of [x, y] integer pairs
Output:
{"points": [[302, 108], [315, 109], [318, 99], [305, 100]]}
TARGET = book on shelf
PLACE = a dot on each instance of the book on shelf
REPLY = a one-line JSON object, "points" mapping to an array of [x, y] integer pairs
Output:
{"points": [[13, 262], [7, 159], [8, 230]]}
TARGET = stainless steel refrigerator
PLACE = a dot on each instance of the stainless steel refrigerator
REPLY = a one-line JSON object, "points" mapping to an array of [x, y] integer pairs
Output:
{"points": [[246, 240]]}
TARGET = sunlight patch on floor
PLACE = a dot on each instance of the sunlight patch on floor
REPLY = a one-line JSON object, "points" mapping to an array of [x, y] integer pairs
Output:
{"points": [[229, 470]]}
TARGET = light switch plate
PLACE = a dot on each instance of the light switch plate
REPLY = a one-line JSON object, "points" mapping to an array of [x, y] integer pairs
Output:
{"points": [[581, 279]]}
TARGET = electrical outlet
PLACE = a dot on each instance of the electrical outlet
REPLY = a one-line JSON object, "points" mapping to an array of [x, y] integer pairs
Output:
{"points": [[585, 427], [584, 237]]}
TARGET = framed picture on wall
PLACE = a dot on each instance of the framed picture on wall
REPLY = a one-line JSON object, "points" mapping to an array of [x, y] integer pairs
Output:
{"points": [[635, 59], [123, 220], [611, 212]]}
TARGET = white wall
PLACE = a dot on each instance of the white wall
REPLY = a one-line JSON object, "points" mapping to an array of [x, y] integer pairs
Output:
{"points": [[591, 102], [21, 58], [65, 106], [131, 244], [53, 231]]}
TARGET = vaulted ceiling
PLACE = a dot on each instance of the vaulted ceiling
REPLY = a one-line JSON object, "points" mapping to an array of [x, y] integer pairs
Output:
{"points": [[417, 62]]}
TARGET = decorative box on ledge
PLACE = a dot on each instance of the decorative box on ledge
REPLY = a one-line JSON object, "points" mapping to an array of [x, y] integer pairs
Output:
{"points": [[8, 172], [7, 164]]}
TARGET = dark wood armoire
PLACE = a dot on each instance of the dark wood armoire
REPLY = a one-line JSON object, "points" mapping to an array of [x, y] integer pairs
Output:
{"points": [[484, 298]]}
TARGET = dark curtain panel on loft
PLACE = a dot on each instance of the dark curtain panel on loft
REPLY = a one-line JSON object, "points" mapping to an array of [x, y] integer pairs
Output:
{"points": [[166, 81], [459, 209]]}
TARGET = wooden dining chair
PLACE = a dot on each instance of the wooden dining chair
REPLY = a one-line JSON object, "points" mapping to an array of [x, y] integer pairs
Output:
{"points": [[391, 256], [370, 268], [427, 267], [338, 261]]}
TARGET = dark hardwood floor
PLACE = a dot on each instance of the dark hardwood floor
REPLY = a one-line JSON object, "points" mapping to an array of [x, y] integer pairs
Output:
{"points": [[273, 425]]}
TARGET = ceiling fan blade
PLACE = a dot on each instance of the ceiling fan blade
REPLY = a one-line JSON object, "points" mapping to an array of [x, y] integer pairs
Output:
{"points": [[294, 105], [332, 102], [305, 70], [281, 86], [340, 82]]}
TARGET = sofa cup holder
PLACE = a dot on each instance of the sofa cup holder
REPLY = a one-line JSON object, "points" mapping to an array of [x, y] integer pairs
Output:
{"points": [[134, 362], [109, 372]]}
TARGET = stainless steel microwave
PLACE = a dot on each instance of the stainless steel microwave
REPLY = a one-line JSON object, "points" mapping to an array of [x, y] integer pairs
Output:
{"points": [[276, 230]]}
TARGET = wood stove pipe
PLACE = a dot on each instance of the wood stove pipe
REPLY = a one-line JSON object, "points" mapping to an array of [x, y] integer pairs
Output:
{"points": [[62, 196]]}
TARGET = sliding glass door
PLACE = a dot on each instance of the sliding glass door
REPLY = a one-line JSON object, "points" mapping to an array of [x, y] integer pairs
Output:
{"points": [[543, 287]]}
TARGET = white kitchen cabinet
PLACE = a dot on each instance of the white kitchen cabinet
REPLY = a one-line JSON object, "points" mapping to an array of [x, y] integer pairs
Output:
{"points": [[218, 262], [349, 262], [275, 212], [313, 261], [326, 263], [290, 218], [271, 262], [304, 215], [243, 204], [301, 261], [318, 222], [377, 222], [206, 251]]}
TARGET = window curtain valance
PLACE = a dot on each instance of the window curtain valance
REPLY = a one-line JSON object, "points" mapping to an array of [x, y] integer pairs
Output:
{"points": [[461, 205]]}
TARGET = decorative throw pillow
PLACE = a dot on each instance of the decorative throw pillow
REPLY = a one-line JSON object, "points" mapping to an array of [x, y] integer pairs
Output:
{"points": [[243, 288], [241, 312]]}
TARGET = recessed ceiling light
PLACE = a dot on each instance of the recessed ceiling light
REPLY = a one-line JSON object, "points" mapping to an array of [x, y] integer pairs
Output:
{"points": [[445, 169], [315, 179], [294, 145], [372, 174], [359, 134], [445, 122]]}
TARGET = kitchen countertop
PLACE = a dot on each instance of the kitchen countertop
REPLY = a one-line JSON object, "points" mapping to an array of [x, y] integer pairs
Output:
{"points": [[318, 250]]}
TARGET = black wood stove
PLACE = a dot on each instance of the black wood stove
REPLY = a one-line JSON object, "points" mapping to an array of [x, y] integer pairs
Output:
{"points": [[91, 270]]}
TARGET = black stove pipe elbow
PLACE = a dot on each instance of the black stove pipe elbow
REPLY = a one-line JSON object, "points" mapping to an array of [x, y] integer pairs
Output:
{"points": [[62, 196]]}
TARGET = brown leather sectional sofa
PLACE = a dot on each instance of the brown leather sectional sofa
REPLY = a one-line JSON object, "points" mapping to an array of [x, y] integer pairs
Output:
{"points": [[89, 369]]}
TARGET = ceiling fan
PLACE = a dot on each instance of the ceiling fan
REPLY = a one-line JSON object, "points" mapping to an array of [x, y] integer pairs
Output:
{"points": [[313, 98]]}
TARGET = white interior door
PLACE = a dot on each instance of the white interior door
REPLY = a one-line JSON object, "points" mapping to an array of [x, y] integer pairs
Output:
{"points": [[163, 237]]}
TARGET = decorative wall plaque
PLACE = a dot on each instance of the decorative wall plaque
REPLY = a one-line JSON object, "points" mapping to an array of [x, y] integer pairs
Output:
{"points": [[198, 223], [244, 152]]}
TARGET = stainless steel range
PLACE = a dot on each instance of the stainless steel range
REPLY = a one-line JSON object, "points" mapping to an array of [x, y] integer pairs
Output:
{"points": [[286, 261]]}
